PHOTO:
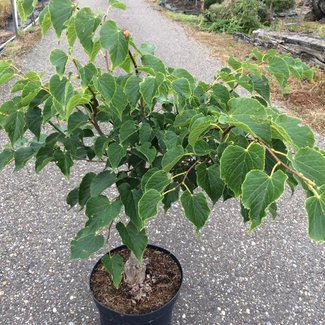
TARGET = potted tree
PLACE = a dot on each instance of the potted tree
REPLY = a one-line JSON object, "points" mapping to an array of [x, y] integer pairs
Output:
{"points": [[163, 137]]}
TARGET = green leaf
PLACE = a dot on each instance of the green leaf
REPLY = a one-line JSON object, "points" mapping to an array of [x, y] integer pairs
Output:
{"points": [[132, 88], [6, 75], [146, 48], [147, 150], [101, 212], [5, 157], [19, 85], [25, 8], [153, 62], [292, 132], [196, 209], [198, 127], [236, 162], [279, 68], [73, 197], [59, 59], [64, 161], [34, 120], [85, 23], [315, 207], [145, 132], [119, 101], [172, 157], [84, 188], [101, 182], [182, 73], [149, 90], [113, 40], [59, 88], [127, 129], [260, 191], [43, 157], [130, 199], [71, 32], [134, 239], [117, 4], [171, 197], [85, 244], [30, 91], [87, 73], [45, 20], [115, 154], [78, 99], [60, 11], [15, 126], [250, 115], [100, 146], [148, 204], [182, 87], [311, 164], [158, 181], [76, 120], [209, 179], [22, 155], [261, 86], [114, 265], [106, 85]]}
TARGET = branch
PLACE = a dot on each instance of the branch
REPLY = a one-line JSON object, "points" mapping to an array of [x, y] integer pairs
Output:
{"points": [[56, 128], [280, 162], [226, 131], [134, 63], [94, 122], [137, 73], [184, 178]]}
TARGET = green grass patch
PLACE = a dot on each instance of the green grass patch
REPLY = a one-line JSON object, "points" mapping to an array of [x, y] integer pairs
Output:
{"points": [[189, 19]]}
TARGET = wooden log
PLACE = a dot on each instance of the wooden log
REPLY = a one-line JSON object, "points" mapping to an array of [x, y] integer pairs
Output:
{"points": [[307, 47]]}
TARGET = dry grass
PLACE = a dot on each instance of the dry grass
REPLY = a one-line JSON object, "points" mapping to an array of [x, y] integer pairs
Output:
{"points": [[303, 99], [5, 12], [306, 100], [316, 28], [21, 45]]}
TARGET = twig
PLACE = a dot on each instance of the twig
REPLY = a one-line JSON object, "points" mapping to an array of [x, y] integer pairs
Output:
{"points": [[226, 131], [184, 178], [277, 159], [134, 63], [56, 128]]}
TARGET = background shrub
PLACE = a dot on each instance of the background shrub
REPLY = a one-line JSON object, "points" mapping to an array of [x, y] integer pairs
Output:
{"points": [[236, 16], [280, 5], [208, 3]]}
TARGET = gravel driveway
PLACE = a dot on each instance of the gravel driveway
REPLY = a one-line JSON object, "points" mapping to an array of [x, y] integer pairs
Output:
{"points": [[272, 276]]}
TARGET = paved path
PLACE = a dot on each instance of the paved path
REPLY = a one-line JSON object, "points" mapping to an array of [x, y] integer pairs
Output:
{"points": [[274, 276]]}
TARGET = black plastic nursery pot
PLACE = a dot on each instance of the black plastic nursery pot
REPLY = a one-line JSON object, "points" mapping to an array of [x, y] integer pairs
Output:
{"points": [[161, 316]]}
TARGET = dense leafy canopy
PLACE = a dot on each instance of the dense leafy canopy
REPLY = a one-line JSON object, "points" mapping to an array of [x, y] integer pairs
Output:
{"points": [[160, 135]]}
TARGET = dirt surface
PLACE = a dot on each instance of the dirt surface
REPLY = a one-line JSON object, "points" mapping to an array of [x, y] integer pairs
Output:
{"points": [[21, 45], [272, 276], [163, 279], [186, 6]]}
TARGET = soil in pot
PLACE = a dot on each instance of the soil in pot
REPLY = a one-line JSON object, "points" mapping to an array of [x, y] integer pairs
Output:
{"points": [[163, 279]]}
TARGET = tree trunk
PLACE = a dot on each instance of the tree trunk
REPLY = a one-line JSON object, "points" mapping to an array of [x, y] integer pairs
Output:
{"points": [[134, 272]]}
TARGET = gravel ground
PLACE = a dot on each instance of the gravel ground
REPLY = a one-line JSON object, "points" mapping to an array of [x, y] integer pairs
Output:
{"points": [[273, 276]]}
